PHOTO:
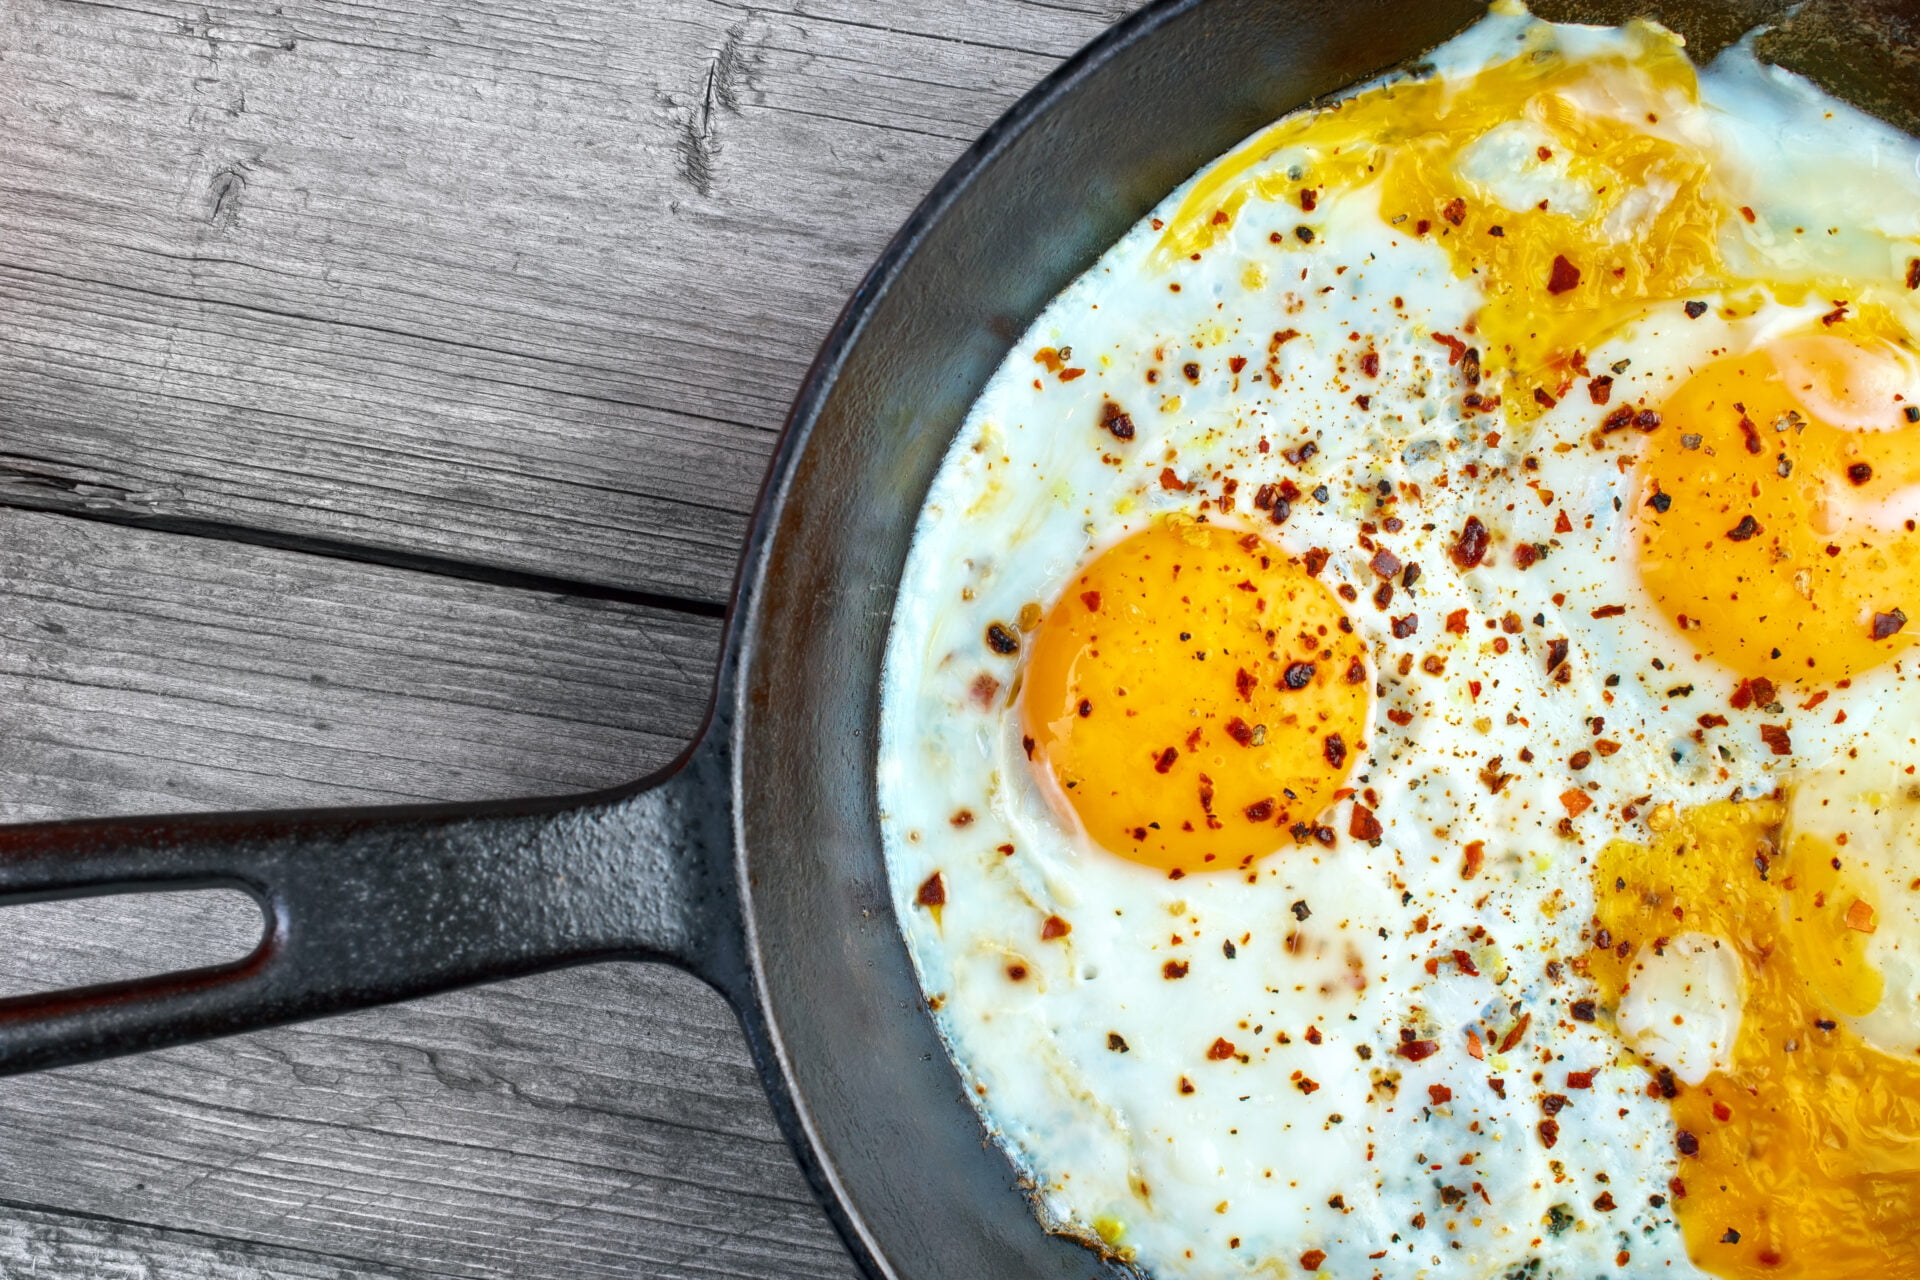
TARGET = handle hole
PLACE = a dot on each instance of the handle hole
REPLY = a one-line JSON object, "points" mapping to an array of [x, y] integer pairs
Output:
{"points": [[78, 942]]}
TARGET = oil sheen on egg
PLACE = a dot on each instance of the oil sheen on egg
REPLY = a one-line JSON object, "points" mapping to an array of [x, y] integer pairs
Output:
{"points": [[1397, 752]]}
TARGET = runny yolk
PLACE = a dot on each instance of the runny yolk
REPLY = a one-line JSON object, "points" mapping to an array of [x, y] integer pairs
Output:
{"points": [[1773, 513], [1795, 1160], [1193, 695]]}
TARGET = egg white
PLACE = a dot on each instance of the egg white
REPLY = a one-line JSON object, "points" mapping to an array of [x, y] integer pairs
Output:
{"points": [[1076, 1068]]}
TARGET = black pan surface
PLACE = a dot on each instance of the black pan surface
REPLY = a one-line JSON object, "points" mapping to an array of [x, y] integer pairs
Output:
{"points": [[755, 860]]}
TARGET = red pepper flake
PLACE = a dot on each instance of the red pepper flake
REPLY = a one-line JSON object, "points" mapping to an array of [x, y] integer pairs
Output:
{"points": [[1259, 810], [1859, 473], [1747, 527], [1363, 825], [1245, 683], [1456, 349], [1711, 721], [1439, 1093], [1583, 1010], [1686, 1143], [1913, 273], [1544, 398], [1619, 420], [1457, 622], [1027, 744], [1609, 611], [1888, 624], [1557, 650], [1860, 917], [1305, 1083], [1455, 211], [1297, 676], [1091, 599], [1240, 731], [1473, 859], [1646, 420], [1405, 626], [1384, 563], [1417, 1050], [1401, 718], [1575, 802], [1561, 524], [1549, 1132], [1554, 1103], [1170, 480], [1307, 199], [1519, 1029], [1186, 1085], [1464, 963], [1001, 639], [1220, 1050], [1474, 1048], [1315, 560], [1470, 546], [1525, 556], [1054, 927], [1165, 763], [1370, 364], [1775, 736], [1174, 970], [1312, 1258], [1579, 1079], [1236, 363], [1600, 389], [1564, 277], [1836, 315], [1334, 749], [1604, 1202], [1695, 309], [1356, 672], [1116, 421], [933, 892]]}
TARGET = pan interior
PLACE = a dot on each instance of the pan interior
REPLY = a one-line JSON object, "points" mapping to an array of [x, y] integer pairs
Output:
{"points": [[882, 1115]]}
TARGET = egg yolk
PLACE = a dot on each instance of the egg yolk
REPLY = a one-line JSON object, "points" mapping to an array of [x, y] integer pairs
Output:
{"points": [[1195, 698], [1797, 1159], [1557, 277], [1771, 519]]}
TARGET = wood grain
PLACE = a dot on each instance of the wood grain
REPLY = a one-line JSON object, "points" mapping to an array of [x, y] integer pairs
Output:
{"points": [[528, 283]]}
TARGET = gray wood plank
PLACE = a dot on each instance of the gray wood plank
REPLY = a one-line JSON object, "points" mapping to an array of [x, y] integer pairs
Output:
{"points": [[36, 1244], [144, 672], [603, 1122], [528, 282]]}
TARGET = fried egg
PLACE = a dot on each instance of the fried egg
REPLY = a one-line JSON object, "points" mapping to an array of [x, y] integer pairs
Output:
{"points": [[1396, 754]]}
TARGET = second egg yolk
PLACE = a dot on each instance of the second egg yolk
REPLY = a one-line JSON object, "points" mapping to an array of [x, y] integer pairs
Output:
{"points": [[1771, 520], [1195, 698]]}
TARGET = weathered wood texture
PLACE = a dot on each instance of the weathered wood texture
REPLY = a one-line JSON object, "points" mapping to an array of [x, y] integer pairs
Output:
{"points": [[512, 291], [528, 282]]}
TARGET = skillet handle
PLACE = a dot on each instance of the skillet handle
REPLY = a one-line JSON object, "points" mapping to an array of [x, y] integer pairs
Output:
{"points": [[369, 906]]}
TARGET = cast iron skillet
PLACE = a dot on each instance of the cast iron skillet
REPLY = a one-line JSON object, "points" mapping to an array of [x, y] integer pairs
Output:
{"points": [[755, 860]]}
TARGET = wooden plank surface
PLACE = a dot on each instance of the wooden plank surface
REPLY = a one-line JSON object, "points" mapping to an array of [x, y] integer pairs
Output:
{"points": [[383, 391], [529, 283]]}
